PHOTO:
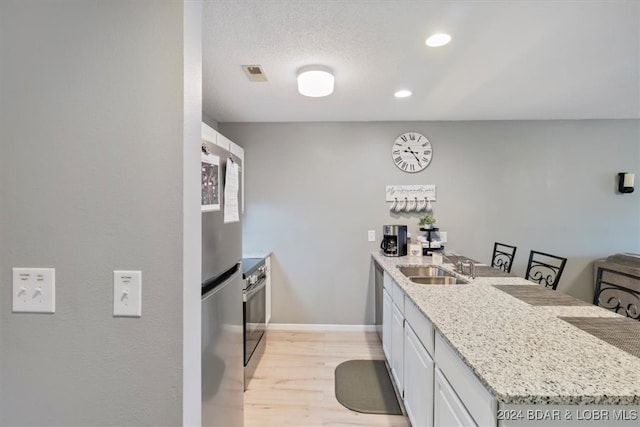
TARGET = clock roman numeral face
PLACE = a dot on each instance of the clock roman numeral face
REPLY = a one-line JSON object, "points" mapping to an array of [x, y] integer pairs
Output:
{"points": [[411, 152]]}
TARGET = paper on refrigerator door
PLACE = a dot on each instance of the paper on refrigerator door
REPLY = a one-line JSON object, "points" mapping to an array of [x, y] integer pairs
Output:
{"points": [[210, 182], [231, 212]]}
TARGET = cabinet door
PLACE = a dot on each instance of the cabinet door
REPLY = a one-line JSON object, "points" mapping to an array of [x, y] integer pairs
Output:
{"points": [[387, 313], [377, 286], [448, 410], [418, 380], [477, 400], [387, 281], [397, 347]]}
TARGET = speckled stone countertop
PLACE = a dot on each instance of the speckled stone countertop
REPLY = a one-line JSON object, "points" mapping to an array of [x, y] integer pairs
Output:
{"points": [[523, 354]]}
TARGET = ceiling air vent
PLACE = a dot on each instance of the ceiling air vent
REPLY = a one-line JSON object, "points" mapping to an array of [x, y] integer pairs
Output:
{"points": [[255, 73]]}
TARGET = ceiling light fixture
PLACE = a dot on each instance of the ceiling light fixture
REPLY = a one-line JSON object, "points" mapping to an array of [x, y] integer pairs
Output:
{"points": [[438, 39], [402, 93], [315, 81]]}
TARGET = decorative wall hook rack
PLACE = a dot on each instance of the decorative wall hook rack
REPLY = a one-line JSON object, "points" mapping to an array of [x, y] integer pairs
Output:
{"points": [[410, 198]]}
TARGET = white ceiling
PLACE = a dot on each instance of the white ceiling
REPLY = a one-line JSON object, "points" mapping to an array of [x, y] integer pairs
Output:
{"points": [[536, 59]]}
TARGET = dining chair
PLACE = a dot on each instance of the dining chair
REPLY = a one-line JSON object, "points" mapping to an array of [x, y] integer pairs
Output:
{"points": [[545, 269], [618, 291], [503, 255]]}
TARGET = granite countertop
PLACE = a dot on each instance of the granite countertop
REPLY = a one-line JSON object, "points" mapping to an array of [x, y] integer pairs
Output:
{"points": [[523, 354]]}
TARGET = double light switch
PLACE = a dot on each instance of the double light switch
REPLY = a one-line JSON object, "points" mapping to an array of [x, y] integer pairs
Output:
{"points": [[34, 290]]}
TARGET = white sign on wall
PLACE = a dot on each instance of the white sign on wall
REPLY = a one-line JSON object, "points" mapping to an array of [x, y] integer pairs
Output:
{"points": [[411, 192]]}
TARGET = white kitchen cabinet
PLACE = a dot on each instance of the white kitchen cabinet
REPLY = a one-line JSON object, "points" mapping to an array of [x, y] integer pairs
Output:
{"points": [[393, 329], [418, 380], [387, 312], [448, 410], [223, 141], [422, 326], [209, 134], [213, 136], [397, 295], [397, 347], [387, 282], [267, 308], [465, 385]]}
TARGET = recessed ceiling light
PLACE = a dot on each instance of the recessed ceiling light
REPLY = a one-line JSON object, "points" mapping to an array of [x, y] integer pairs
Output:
{"points": [[402, 93], [439, 39], [315, 81]]}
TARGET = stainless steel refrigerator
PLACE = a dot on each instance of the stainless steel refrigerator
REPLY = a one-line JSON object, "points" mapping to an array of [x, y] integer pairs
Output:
{"points": [[222, 318]]}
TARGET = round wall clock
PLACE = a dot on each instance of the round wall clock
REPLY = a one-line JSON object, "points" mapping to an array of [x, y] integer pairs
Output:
{"points": [[411, 152]]}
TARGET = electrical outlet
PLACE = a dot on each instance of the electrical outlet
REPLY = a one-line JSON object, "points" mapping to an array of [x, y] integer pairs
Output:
{"points": [[372, 235]]}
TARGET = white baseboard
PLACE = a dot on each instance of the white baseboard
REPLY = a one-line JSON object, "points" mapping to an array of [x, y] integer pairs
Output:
{"points": [[317, 327]]}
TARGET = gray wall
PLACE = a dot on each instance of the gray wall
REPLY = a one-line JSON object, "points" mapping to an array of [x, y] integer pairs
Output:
{"points": [[314, 189], [209, 121], [91, 179]]}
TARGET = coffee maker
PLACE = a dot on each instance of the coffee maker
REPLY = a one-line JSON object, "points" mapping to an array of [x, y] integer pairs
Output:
{"points": [[394, 240]]}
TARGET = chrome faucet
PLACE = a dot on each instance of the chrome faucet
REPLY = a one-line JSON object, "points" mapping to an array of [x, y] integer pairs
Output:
{"points": [[472, 268]]}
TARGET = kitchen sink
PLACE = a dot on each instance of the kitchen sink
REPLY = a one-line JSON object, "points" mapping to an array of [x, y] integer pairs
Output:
{"points": [[429, 270], [431, 275], [436, 280]]}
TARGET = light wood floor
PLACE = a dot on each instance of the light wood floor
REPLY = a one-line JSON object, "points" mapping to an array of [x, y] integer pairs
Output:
{"points": [[294, 382]]}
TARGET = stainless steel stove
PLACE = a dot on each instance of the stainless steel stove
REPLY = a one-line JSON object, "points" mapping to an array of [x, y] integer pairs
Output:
{"points": [[254, 310]]}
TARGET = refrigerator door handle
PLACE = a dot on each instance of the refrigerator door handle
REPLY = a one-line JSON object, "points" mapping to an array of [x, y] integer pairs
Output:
{"points": [[211, 287]]}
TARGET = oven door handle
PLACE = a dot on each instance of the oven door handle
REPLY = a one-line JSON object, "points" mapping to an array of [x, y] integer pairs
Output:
{"points": [[254, 290]]}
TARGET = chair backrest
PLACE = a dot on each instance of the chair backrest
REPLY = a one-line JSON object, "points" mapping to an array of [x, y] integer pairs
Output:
{"points": [[618, 291], [545, 269], [503, 256]]}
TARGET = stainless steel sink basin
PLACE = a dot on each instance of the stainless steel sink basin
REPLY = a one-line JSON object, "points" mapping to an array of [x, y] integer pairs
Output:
{"points": [[436, 280], [428, 271], [431, 275]]}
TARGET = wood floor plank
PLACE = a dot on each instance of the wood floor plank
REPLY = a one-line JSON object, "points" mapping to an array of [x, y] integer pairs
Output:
{"points": [[294, 382]]}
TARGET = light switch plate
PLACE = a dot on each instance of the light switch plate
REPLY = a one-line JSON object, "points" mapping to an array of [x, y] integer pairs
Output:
{"points": [[372, 235], [443, 237], [127, 293], [34, 290]]}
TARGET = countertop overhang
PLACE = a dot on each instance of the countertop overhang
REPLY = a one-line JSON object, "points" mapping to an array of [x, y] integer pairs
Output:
{"points": [[523, 354]]}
